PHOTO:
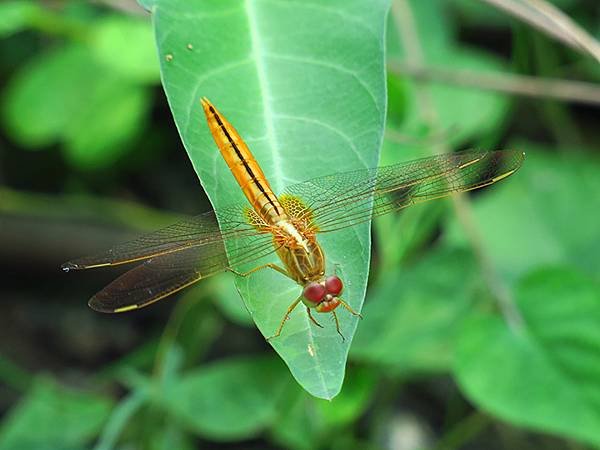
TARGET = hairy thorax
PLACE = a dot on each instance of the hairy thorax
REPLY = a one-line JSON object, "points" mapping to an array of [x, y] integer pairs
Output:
{"points": [[299, 251]]}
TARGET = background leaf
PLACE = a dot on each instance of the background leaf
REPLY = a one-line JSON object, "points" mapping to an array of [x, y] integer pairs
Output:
{"points": [[66, 95], [412, 314], [52, 417], [216, 402], [136, 60], [16, 15], [544, 374], [304, 108]]}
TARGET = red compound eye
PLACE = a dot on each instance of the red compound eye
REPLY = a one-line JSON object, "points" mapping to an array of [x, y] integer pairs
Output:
{"points": [[334, 285], [314, 292]]}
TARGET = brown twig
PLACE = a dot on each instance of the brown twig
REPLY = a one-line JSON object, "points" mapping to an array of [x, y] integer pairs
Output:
{"points": [[404, 21], [528, 86], [552, 21]]}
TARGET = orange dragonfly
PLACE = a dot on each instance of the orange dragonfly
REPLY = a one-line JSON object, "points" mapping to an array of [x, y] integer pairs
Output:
{"points": [[181, 254]]}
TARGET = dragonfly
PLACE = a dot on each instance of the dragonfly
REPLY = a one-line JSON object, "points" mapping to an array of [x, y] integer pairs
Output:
{"points": [[288, 225]]}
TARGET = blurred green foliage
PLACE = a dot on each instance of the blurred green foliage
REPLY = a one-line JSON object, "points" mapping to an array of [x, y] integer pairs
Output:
{"points": [[90, 94], [481, 320], [51, 416], [544, 366]]}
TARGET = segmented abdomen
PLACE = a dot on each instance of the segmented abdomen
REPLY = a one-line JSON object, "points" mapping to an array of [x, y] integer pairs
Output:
{"points": [[243, 166]]}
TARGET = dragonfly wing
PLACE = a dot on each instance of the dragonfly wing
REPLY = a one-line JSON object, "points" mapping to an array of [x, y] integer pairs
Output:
{"points": [[164, 275], [341, 200], [192, 232]]}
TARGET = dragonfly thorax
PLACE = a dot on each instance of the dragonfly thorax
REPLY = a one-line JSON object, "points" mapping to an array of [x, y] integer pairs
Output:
{"points": [[293, 236], [300, 253]]}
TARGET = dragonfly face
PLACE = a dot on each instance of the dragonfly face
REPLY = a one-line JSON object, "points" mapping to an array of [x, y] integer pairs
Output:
{"points": [[323, 295], [288, 225]]}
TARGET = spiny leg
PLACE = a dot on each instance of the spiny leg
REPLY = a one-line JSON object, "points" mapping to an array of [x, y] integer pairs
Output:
{"points": [[286, 317], [349, 308], [312, 318], [256, 269], [337, 325]]}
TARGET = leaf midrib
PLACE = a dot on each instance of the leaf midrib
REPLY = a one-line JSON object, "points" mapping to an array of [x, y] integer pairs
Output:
{"points": [[257, 51]]}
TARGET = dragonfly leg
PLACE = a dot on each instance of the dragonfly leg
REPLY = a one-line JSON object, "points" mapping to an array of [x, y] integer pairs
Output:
{"points": [[256, 269], [310, 316], [349, 308], [286, 317], [337, 325]]}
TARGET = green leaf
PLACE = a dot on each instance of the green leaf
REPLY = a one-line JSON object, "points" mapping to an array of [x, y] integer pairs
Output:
{"points": [[547, 213], [126, 46], [412, 316], [51, 417], [228, 400], [43, 96], [308, 102], [64, 94], [105, 129], [546, 374], [16, 15]]}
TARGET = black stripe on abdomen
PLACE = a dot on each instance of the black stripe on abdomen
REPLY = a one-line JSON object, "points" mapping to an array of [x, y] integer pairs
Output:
{"points": [[244, 162]]}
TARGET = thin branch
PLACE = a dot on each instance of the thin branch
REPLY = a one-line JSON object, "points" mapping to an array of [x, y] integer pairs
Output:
{"points": [[552, 21], [404, 21], [585, 40], [522, 12], [405, 26], [528, 86], [464, 212]]}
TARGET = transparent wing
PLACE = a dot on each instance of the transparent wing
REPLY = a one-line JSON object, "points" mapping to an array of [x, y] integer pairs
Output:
{"points": [[201, 230], [175, 257], [346, 199], [161, 276]]}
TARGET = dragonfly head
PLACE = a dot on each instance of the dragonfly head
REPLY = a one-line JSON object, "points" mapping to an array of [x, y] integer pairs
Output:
{"points": [[322, 295]]}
